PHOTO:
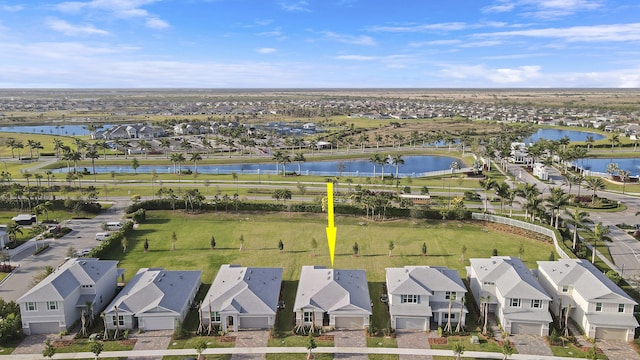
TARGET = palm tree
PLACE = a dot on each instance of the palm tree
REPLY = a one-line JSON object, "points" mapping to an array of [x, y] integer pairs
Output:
{"points": [[600, 232], [375, 160], [557, 199], [594, 184], [195, 157], [624, 176], [285, 160], [277, 156], [57, 146], [299, 158], [590, 140], [177, 159], [487, 184], [92, 154], [528, 192], [503, 191], [397, 160], [577, 219], [614, 140], [165, 144], [145, 146], [458, 350], [13, 229]]}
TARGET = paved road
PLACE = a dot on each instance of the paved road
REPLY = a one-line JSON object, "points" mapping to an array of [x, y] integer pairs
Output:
{"points": [[82, 236]]}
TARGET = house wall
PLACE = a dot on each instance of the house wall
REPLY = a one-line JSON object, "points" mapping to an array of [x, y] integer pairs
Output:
{"points": [[129, 321], [318, 317], [42, 315], [105, 290]]}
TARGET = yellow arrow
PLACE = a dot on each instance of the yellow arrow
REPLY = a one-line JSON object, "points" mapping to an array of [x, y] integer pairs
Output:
{"points": [[331, 229]]}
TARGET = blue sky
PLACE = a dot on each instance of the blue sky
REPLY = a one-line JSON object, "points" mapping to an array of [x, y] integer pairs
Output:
{"points": [[319, 43]]}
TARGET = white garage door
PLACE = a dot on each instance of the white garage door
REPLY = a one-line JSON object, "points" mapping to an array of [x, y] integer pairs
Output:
{"points": [[526, 328], [345, 322], [261, 322], [157, 323], [611, 334], [44, 328], [411, 323]]}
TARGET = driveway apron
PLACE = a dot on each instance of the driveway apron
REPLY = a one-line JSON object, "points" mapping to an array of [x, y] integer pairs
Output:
{"points": [[249, 339], [350, 338], [408, 339], [152, 340]]}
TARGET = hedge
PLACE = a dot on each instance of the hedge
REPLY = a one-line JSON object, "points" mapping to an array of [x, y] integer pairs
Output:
{"points": [[112, 241]]}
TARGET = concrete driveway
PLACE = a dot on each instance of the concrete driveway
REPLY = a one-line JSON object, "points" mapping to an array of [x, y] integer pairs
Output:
{"points": [[250, 339], [530, 344], [350, 338], [618, 349], [412, 339]]}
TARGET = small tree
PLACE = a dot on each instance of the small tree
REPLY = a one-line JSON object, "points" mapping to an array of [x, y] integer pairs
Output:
{"points": [[146, 245], [241, 242], [458, 350], [494, 252], [424, 249], [552, 256], [521, 250], [124, 242], [356, 249], [314, 245], [213, 242], [49, 350], [200, 346], [96, 348], [463, 251], [311, 344], [174, 239], [280, 245], [507, 350], [391, 247], [135, 164]]}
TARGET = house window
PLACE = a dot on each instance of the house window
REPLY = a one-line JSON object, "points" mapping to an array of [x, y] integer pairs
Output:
{"points": [[120, 320], [409, 299], [598, 307], [536, 304], [487, 283], [52, 305], [621, 308], [565, 289], [215, 317], [514, 303], [307, 316], [446, 316], [450, 295], [31, 306]]}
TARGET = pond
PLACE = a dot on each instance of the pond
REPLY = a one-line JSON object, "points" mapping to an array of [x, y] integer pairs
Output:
{"points": [[413, 166], [632, 165], [66, 130], [557, 134]]}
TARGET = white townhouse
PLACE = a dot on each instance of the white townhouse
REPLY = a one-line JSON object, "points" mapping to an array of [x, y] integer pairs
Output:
{"points": [[421, 295], [55, 303], [514, 295], [597, 304]]}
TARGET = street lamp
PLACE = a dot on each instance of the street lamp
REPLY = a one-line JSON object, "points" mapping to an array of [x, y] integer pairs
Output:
{"points": [[8, 254]]}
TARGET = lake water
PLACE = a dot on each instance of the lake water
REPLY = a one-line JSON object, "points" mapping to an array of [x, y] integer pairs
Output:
{"points": [[66, 130], [632, 165], [557, 134], [413, 166]]}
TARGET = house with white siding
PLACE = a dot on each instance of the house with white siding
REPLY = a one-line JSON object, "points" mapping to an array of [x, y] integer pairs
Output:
{"points": [[423, 295], [518, 301], [597, 304]]}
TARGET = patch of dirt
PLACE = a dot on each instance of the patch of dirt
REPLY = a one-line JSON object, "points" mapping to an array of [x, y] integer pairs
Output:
{"points": [[325, 337], [515, 231], [227, 339], [438, 341], [61, 343], [127, 342]]}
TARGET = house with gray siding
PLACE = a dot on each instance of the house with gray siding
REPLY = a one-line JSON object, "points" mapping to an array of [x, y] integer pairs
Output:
{"points": [[55, 303], [154, 299], [242, 298]]}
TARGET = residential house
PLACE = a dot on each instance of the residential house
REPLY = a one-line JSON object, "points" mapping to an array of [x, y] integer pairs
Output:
{"points": [[421, 295], [514, 295], [242, 298], [133, 131], [154, 299], [57, 302], [597, 304], [332, 297], [4, 236]]}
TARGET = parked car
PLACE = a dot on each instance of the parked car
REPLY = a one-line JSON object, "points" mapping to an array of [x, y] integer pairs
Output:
{"points": [[82, 252], [102, 235]]}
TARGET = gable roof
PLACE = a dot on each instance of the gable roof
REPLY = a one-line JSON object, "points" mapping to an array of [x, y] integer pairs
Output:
{"points": [[333, 289], [68, 277], [585, 279], [153, 290], [511, 276], [244, 290], [423, 280]]}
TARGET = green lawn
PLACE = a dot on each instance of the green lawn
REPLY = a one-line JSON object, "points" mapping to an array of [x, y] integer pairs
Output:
{"points": [[262, 231], [84, 345]]}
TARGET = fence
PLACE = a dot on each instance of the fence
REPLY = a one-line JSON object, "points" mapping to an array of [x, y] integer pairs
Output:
{"points": [[523, 225]]}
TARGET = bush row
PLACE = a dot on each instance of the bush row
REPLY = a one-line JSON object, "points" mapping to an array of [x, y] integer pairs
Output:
{"points": [[112, 241]]}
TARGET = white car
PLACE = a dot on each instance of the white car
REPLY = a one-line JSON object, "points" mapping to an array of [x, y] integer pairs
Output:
{"points": [[82, 252]]}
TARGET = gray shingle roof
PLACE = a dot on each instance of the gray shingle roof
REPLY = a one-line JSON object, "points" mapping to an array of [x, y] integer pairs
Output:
{"points": [[68, 277], [333, 289], [423, 280], [244, 290], [585, 279], [152, 290], [511, 276]]}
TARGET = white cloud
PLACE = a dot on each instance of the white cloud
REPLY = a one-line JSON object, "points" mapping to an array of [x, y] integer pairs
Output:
{"points": [[597, 33], [434, 43], [155, 23], [544, 8], [437, 27], [298, 6], [122, 9], [12, 8], [500, 76], [356, 57], [266, 51], [74, 30], [349, 39]]}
